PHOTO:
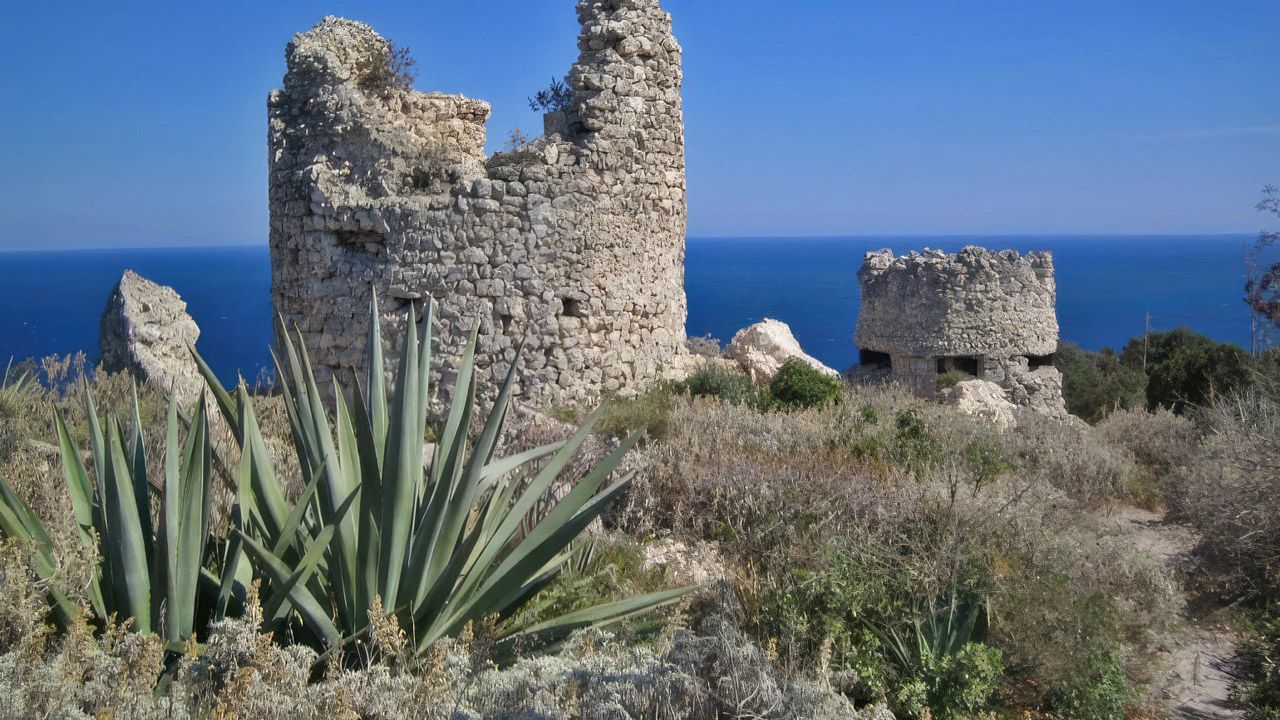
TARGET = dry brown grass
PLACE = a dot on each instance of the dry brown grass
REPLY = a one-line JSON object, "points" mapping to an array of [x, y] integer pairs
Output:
{"points": [[881, 504], [1230, 492]]}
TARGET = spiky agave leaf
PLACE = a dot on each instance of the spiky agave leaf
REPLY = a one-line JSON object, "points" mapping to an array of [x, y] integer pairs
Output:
{"points": [[151, 575], [439, 547]]}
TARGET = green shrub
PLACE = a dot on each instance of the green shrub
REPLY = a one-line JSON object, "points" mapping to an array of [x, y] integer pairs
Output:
{"points": [[556, 97], [714, 381], [1095, 384], [798, 385], [915, 448], [1184, 367], [382, 66], [816, 609], [1258, 688], [1099, 693], [961, 683], [939, 663], [986, 460]]}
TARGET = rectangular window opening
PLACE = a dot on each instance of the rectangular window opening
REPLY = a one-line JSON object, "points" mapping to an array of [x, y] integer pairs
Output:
{"points": [[872, 357], [1039, 361], [966, 365]]}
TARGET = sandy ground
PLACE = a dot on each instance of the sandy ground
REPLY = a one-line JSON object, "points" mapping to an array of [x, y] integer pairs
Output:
{"points": [[1198, 680]]}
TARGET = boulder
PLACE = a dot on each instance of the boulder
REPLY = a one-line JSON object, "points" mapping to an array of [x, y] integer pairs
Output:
{"points": [[1037, 390], [145, 330], [984, 400], [761, 349]]}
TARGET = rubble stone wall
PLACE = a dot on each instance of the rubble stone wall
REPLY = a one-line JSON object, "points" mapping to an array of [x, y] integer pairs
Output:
{"points": [[573, 243], [974, 302], [996, 310]]}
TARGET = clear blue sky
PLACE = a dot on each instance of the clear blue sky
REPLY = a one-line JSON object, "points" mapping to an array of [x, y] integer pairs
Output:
{"points": [[144, 123]]}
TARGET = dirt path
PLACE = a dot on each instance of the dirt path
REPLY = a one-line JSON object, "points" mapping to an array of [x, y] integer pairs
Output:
{"points": [[1199, 675]]}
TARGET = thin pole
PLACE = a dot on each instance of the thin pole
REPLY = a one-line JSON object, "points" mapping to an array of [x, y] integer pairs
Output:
{"points": [[1145, 334]]}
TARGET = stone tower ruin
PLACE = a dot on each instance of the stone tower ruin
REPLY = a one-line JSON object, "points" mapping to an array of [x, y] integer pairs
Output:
{"points": [[573, 242], [976, 313]]}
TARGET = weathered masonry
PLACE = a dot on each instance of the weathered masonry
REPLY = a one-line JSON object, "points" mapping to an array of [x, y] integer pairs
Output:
{"points": [[975, 313], [574, 242]]}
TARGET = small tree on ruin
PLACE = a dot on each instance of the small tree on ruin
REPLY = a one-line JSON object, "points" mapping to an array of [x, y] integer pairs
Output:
{"points": [[556, 97]]}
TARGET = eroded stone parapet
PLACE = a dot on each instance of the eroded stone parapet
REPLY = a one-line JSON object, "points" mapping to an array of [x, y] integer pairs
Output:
{"points": [[974, 302], [573, 243]]}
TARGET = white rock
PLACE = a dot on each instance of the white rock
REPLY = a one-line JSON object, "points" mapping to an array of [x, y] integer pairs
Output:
{"points": [[696, 564], [761, 349], [145, 330], [984, 400]]}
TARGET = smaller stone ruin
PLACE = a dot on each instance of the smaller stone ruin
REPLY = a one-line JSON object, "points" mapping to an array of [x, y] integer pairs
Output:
{"points": [[933, 319]]}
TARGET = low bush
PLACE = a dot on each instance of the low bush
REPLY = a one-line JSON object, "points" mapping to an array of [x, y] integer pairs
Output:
{"points": [[704, 346], [953, 377], [1257, 688], [954, 687], [714, 381], [1185, 368], [1231, 494], [1096, 384], [1074, 460], [845, 519], [799, 385], [1099, 692], [383, 66], [1162, 444]]}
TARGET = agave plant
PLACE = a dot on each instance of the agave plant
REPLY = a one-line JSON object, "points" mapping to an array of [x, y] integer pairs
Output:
{"points": [[148, 572], [934, 634], [438, 546]]}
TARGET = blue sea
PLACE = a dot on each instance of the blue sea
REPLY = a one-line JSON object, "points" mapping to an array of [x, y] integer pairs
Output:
{"points": [[51, 302]]}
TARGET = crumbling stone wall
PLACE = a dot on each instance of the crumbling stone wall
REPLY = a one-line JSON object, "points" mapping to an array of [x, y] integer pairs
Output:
{"points": [[573, 243], [991, 314]]}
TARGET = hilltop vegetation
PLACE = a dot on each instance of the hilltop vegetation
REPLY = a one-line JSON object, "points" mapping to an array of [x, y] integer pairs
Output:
{"points": [[1178, 370], [855, 552]]}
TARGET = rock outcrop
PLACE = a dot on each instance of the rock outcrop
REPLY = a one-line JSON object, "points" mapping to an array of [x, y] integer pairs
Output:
{"points": [[145, 330], [981, 314], [573, 243], [762, 348], [983, 400]]}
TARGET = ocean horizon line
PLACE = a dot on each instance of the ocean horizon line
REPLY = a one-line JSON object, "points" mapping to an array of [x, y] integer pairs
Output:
{"points": [[865, 236]]}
